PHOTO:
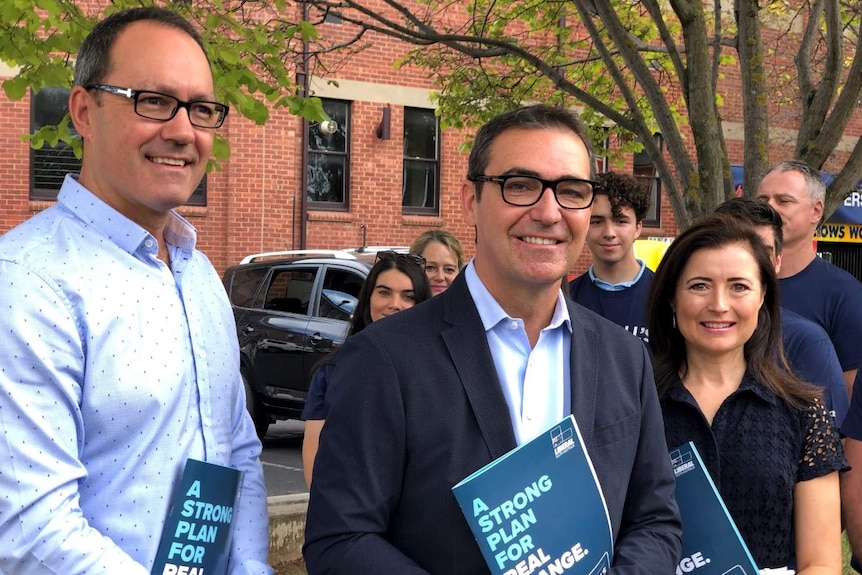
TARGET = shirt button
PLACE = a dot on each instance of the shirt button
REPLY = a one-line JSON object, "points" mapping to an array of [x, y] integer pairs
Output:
{"points": [[513, 325], [148, 243]]}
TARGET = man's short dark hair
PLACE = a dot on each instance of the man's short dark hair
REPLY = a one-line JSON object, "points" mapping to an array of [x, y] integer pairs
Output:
{"points": [[535, 117], [624, 191], [755, 213], [94, 57]]}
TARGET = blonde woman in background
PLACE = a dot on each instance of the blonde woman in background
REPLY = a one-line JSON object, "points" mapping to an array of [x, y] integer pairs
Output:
{"points": [[443, 255]]}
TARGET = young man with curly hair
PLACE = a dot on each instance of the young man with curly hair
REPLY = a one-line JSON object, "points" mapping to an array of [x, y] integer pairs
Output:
{"points": [[616, 284]]}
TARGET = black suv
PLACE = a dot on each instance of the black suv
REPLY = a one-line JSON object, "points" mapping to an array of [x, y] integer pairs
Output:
{"points": [[291, 309]]}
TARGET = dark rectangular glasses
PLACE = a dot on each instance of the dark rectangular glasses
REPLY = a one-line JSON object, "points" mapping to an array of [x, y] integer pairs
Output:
{"points": [[163, 107]]}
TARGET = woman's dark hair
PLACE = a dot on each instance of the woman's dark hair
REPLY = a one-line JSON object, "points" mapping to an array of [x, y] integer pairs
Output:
{"points": [[764, 353], [416, 273]]}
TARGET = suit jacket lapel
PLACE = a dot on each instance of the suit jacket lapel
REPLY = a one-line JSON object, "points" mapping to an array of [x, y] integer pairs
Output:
{"points": [[584, 370], [469, 350]]}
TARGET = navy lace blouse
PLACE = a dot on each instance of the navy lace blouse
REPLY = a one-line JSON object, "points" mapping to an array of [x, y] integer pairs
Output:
{"points": [[756, 450]]}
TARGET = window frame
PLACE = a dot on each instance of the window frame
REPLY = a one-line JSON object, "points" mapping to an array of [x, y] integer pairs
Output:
{"points": [[643, 167], [433, 162], [63, 150], [312, 128]]}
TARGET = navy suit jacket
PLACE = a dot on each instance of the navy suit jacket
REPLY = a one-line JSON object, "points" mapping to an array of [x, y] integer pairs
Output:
{"points": [[415, 405]]}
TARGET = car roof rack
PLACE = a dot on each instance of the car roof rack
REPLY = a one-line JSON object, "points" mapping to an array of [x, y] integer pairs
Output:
{"points": [[375, 249], [337, 254]]}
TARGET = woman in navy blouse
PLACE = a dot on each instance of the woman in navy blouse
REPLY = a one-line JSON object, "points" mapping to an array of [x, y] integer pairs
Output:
{"points": [[396, 282], [765, 436]]}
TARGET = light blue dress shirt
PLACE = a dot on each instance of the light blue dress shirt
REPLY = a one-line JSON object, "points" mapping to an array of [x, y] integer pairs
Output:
{"points": [[115, 369], [535, 381]]}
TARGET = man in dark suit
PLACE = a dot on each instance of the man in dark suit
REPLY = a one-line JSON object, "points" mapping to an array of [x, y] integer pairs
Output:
{"points": [[420, 400]]}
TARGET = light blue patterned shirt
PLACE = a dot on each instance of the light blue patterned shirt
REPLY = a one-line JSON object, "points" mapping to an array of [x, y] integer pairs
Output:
{"points": [[114, 369], [535, 381]]}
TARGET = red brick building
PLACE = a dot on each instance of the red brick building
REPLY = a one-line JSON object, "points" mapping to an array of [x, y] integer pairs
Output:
{"points": [[387, 174]]}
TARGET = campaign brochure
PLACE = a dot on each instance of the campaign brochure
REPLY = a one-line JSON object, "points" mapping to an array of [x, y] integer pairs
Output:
{"points": [[539, 509], [711, 543], [196, 536]]}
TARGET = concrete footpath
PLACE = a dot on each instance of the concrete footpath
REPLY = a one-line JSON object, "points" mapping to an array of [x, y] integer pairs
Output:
{"points": [[286, 526]]}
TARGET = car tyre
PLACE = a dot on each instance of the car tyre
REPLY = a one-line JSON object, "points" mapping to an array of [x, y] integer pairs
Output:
{"points": [[259, 416]]}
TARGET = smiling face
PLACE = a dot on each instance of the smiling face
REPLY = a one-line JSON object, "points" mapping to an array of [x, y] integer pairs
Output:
{"points": [[787, 193], [523, 249], [441, 266], [717, 299], [611, 238], [393, 292], [144, 168]]}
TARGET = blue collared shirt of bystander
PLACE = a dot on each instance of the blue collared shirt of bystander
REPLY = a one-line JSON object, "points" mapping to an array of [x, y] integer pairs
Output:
{"points": [[607, 286]]}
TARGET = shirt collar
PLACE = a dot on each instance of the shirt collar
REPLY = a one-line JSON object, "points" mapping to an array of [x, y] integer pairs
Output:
{"points": [[491, 313], [124, 232], [749, 384], [607, 286]]}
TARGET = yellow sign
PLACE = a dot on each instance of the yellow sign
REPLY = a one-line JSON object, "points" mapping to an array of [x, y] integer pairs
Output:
{"points": [[845, 233], [651, 251]]}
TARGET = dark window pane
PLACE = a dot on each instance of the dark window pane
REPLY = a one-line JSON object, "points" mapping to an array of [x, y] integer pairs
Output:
{"points": [[199, 196], [336, 142], [339, 295], [644, 169], [50, 164], [245, 284], [327, 167], [420, 134], [50, 104], [326, 178], [420, 184], [290, 291]]}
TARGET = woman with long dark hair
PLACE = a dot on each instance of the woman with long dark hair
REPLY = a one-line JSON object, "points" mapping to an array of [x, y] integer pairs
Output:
{"points": [[765, 436], [396, 282]]}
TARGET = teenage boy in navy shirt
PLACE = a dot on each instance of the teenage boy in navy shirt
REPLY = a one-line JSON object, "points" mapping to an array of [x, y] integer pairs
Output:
{"points": [[617, 283]]}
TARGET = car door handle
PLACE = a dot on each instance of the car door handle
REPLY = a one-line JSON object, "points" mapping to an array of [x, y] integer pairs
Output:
{"points": [[316, 339]]}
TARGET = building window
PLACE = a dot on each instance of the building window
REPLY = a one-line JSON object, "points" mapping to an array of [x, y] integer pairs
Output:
{"points": [[420, 192], [601, 152], [644, 168], [327, 169], [50, 164]]}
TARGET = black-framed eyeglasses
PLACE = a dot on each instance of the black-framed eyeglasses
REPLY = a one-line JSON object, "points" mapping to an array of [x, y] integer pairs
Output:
{"points": [[393, 255], [517, 190], [163, 107]]}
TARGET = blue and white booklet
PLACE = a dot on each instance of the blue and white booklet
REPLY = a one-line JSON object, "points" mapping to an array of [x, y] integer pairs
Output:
{"points": [[711, 543], [539, 509], [197, 533]]}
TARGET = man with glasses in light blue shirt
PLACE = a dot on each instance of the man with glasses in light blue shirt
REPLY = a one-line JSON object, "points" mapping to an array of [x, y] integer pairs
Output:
{"points": [[119, 349]]}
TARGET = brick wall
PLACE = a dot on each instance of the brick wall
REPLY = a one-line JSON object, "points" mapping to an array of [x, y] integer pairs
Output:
{"points": [[255, 201]]}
